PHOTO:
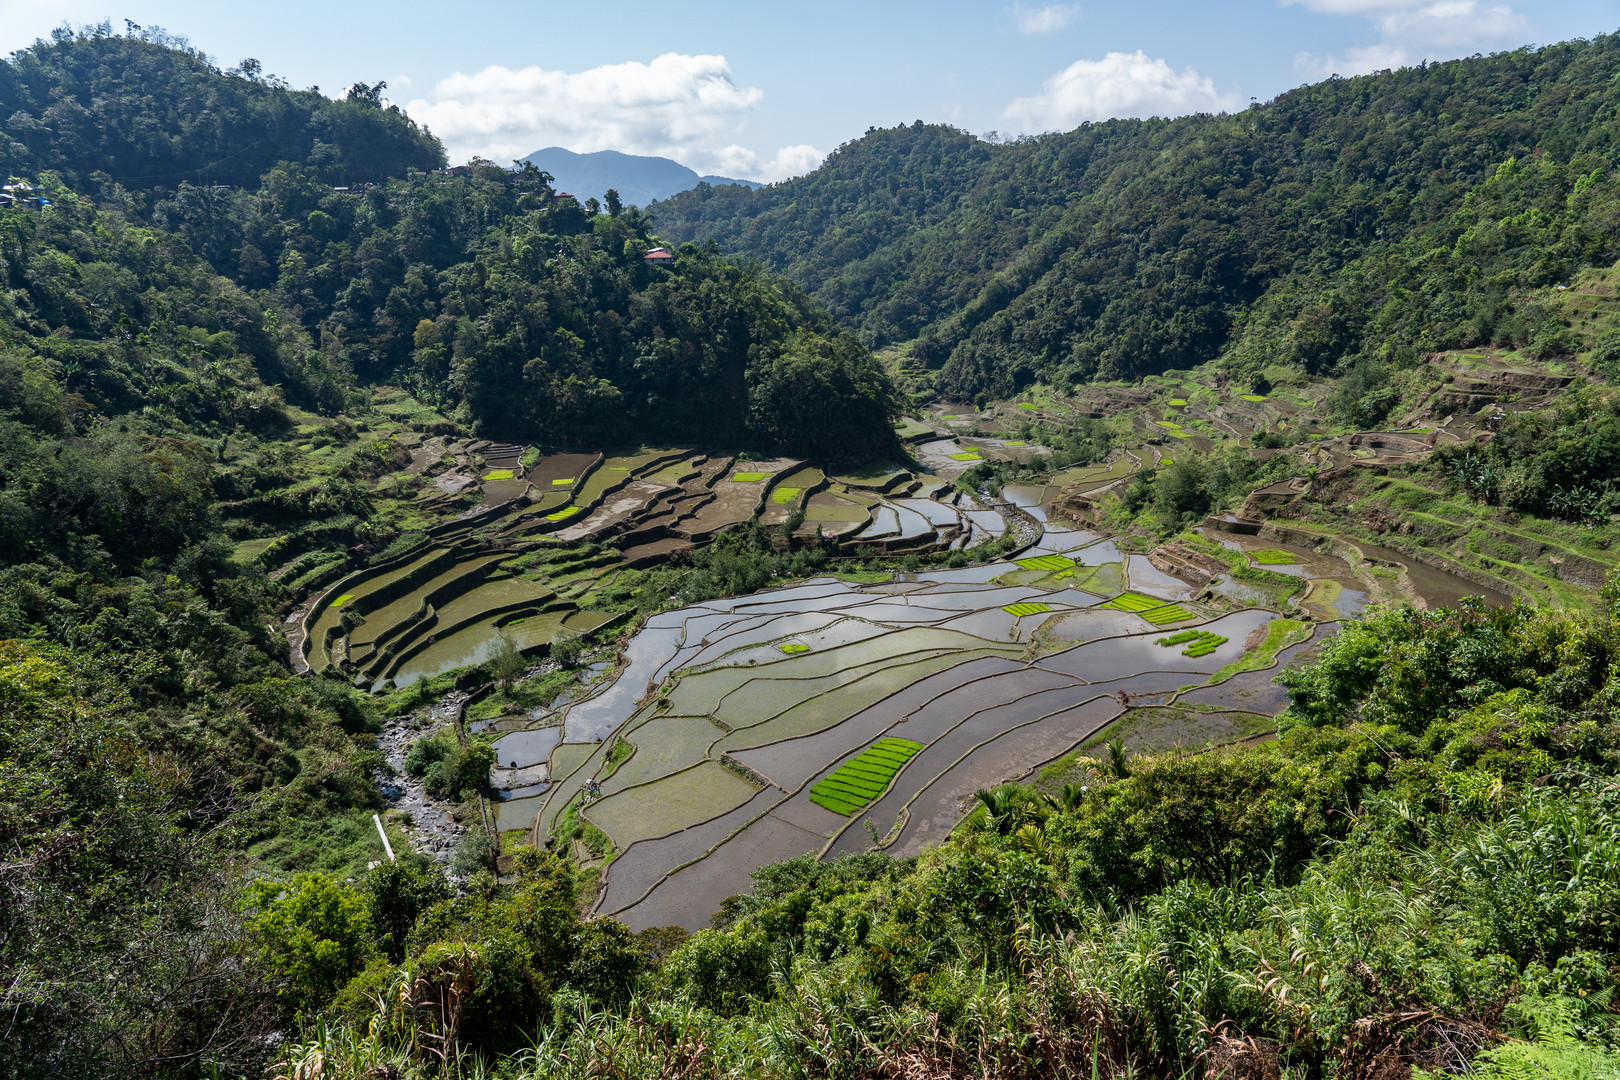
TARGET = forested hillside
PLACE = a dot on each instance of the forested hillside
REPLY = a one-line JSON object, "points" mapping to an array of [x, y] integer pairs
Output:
{"points": [[1360, 220], [145, 109]]}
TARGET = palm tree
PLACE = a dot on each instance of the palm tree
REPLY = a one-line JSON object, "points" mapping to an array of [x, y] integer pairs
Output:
{"points": [[1118, 759]]}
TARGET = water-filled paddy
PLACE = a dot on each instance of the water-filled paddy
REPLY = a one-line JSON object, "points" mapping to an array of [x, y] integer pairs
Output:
{"points": [[707, 703], [522, 748]]}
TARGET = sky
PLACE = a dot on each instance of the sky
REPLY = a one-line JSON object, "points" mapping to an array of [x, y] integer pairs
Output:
{"points": [[764, 91]]}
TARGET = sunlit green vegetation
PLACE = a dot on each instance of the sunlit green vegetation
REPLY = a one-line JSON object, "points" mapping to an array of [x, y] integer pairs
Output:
{"points": [[864, 777]]}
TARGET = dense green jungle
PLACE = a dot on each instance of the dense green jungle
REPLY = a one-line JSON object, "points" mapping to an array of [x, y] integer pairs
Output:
{"points": [[328, 473]]}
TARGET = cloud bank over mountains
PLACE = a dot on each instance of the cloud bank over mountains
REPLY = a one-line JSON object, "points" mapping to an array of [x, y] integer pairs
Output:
{"points": [[1119, 85], [683, 107], [691, 109], [1412, 30]]}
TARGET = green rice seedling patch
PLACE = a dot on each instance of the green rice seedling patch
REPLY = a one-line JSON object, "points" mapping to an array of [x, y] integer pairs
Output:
{"points": [[856, 783], [1028, 405], [1027, 609], [498, 474], [837, 806], [793, 647], [563, 481], [564, 514], [748, 477], [1170, 613], [1130, 601], [1178, 402], [1046, 562], [1274, 557], [344, 599], [1014, 443], [1171, 424], [967, 455], [784, 495], [949, 416], [1252, 397], [864, 777], [1198, 642]]}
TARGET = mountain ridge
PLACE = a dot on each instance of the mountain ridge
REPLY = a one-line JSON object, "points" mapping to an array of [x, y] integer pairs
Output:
{"points": [[638, 178], [1131, 247]]}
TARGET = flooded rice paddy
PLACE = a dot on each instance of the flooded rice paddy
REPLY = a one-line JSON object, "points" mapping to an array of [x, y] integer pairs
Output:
{"points": [[730, 711], [701, 747]]}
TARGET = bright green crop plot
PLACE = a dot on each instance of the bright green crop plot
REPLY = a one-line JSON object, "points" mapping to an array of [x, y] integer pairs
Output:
{"points": [[1015, 444], [1274, 557], [1252, 397], [1171, 424], [785, 495], [793, 647], [1133, 602], [1176, 401], [1028, 405], [1198, 642], [967, 455], [748, 477], [1164, 616], [864, 777], [344, 599], [498, 474], [1027, 609], [567, 481], [949, 416], [563, 514], [1046, 562]]}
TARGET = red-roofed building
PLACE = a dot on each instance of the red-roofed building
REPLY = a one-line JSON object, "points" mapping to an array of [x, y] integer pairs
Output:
{"points": [[660, 256]]}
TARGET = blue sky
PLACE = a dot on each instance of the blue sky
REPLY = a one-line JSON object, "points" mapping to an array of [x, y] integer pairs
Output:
{"points": [[766, 90]]}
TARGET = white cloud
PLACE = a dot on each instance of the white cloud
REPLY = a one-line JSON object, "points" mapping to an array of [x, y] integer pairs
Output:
{"points": [[1044, 20], [678, 106], [1120, 84], [742, 163], [1413, 30]]}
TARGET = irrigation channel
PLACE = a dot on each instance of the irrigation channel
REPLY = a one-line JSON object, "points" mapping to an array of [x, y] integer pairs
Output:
{"points": [[712, 750]]}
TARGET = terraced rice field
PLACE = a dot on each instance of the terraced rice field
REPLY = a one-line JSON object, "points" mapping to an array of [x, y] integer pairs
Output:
{"points": [[803, 712], [1133, 602], [1197, 642], [863, 778], [1047, 562]]}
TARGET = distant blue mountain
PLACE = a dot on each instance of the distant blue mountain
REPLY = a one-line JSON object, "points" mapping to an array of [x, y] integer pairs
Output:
{"points": [[638, 180]]}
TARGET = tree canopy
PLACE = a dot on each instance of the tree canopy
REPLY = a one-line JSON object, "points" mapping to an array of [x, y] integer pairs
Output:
{"points": [[1369, 218]]}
